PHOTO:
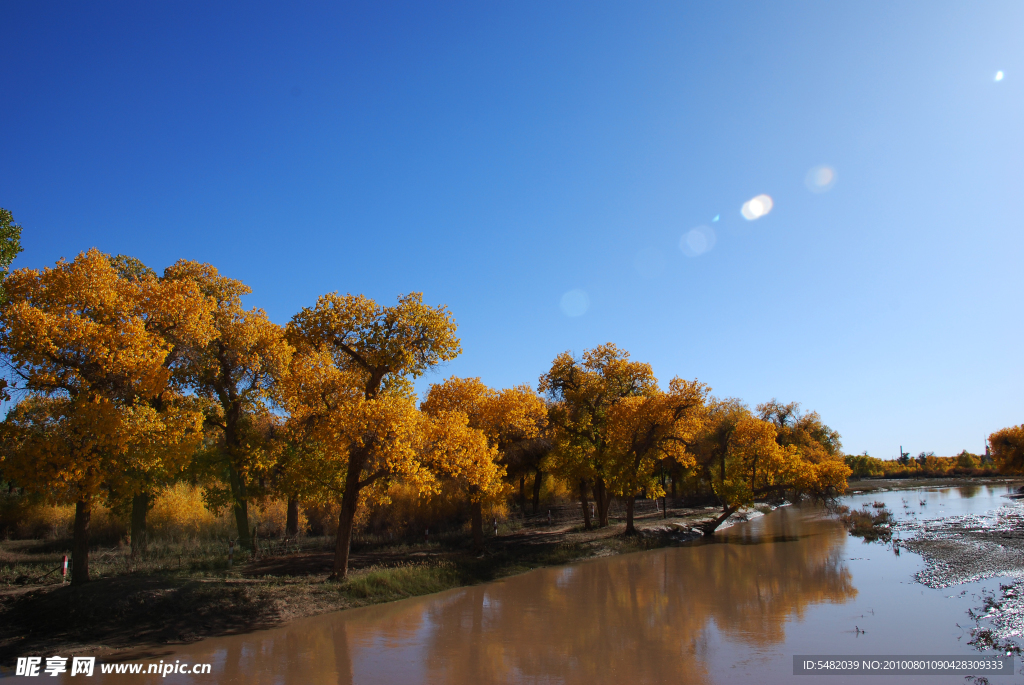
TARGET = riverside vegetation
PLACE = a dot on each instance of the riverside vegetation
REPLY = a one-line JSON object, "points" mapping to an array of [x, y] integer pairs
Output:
{"points": [[171, 418]]}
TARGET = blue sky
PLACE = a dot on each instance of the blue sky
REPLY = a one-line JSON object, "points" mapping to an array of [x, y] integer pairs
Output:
{"points": [[496, 156]]}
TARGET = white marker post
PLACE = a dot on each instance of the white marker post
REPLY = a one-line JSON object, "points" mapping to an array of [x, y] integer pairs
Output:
{"points": [[231, 552], [64, 569]]}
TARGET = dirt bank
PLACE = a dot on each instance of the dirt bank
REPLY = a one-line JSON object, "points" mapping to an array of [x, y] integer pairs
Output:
{"points": [[130, 610], [866, 485]]}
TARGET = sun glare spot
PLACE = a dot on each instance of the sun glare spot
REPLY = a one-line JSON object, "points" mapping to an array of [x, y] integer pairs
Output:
{"points": [[757, 207], [697, 241], [575, 302], [820, 178], [999, 76]]}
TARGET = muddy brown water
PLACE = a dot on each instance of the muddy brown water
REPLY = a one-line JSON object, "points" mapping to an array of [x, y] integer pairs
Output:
{"points": [[734, 610]]}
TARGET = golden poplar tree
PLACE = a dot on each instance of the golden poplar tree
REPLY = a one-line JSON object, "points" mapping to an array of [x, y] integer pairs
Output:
{"points": [[1008, 449], [236, 371], [645, 431], [460, 456], [583, 391], [742, 459], [349, 394], [505, 418], [90, 349]]}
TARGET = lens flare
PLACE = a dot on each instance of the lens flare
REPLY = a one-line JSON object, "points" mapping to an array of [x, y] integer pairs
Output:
{"points": [[820, 178], [756, 207], [575, 302], [697, 241], [999, 76]]}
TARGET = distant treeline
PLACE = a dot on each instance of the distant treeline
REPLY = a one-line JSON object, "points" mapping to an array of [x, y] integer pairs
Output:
{"points": [[924, 465]]}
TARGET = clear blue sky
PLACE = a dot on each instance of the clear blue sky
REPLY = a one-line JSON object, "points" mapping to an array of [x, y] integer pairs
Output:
{"points": [[496, 156]]}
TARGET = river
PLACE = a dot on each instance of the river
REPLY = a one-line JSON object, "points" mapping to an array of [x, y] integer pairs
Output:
{"points": [[732, 610]]}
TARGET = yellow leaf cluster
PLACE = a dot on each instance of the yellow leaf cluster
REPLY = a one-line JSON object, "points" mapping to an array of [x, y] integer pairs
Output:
{"points": [[69, 449], [461, 455], [1008, 448], [378, 343], [744, 457], [644, 430], [81, 329], [584, 390], [97, 352]]}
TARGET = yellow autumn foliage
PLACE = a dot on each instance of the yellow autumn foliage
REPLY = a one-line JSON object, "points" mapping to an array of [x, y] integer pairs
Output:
{"points": [[180, 512], [55, 522]]}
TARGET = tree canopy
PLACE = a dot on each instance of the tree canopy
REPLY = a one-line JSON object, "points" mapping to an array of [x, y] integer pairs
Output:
{"points": [[129, 381]]}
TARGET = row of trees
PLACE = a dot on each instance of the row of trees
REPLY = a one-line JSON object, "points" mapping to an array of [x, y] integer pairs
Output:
{"points": [[127, 380], [924, 465]]}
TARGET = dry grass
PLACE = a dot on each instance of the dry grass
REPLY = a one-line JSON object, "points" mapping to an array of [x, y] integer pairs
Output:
{"points": [[869, 526]]}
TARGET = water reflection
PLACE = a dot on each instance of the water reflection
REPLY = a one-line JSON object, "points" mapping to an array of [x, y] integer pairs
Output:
{"points": [[644, 617], [641, 617], [969, 490]]}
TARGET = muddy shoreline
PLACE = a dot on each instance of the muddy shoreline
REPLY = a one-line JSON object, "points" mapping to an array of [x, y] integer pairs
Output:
{"points": [[134, 611], [155, 610]]}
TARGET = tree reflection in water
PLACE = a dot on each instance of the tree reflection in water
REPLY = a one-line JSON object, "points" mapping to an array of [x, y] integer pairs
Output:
{"points": [[643, 617]]}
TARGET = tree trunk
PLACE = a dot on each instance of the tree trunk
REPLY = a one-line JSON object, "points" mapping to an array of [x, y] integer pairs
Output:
{"points": [[241, 510], [80, 545], [346, 518], [140, 507], [629, 501], [538, 480], [710, 527], [603, 499], [584, 503], [477, 525], [240, 507], [291, 526], [664, 490]]}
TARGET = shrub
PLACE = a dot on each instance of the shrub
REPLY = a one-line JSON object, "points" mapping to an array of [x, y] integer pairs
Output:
{"points": [[179, 513], [871, 527]]}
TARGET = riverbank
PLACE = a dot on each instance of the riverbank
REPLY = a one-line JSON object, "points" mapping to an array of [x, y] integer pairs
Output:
{"points": [[959, 549], [963, 549], [149, 609], [198, 597], [966, 548], [865, 485]]}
